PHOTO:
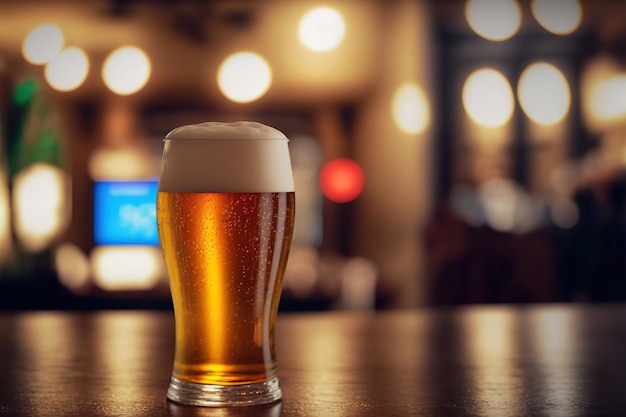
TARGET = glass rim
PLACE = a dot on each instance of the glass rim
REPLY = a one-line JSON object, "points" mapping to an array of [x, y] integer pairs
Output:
{"points": [[166, 139]]}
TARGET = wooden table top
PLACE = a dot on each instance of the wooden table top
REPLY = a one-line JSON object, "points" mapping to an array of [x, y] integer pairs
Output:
{"points": [[551, 360]]}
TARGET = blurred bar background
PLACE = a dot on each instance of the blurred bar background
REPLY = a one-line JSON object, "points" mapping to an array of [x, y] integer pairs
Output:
{"points": [[444, 152]]}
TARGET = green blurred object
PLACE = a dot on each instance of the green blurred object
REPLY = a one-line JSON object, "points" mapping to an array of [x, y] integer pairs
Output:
{"points": [[24, 93], [32, 136], [33, 132]]}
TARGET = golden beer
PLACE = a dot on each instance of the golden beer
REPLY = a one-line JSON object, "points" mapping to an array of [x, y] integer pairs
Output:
{"points": [[225, 255], [225, 212]]}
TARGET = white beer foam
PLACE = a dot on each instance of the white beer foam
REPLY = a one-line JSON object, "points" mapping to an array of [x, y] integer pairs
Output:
{"points": [[220, 130], [226, 157]]}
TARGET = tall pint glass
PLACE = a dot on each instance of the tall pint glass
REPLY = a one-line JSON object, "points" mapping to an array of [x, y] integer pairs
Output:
{"points": [[225, 211]]}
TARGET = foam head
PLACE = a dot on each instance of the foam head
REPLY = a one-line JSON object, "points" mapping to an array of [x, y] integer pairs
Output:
{"points": [[226, 157]]}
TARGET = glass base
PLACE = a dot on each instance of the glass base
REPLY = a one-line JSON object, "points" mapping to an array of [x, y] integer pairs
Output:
{"points": [[191, 393]]}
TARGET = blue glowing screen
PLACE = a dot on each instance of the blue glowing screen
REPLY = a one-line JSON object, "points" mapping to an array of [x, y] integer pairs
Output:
{"points": [[125, 213]]}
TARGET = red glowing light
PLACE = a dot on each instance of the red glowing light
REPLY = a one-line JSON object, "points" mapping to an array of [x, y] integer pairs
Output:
{"points": [[341, 180]]}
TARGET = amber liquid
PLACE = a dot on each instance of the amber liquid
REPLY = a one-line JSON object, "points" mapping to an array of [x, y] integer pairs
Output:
{"points": [[225, 255]]}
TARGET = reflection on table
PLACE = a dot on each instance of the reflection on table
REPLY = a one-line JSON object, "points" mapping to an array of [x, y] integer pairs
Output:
{"points": [[552, 360]]}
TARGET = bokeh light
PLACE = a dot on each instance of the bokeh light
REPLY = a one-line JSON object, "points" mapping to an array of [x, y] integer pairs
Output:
{"points": [[510, 208], [410, 108], [122, 163], [43, 43], [40, 205], [126, 70], [125, 268], [608, 98], [495, 20], [560, 17], [321, 29], [544, 93], [302, 274], [358, 284], [488, 97], [499, 197], [564, 213], [5, 217], [341, 180], [72, 266], [68, 70], [244, 77]]}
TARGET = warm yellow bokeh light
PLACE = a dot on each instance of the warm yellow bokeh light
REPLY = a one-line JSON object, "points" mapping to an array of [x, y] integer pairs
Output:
{"points": [[603, 94], [410, 109], [499, 198], [43, 43], [124, 268], [495, 20], [244, 77], [40, 205], [122, 163], [544, 93], [608, 98], [560, 17], [72, 266], [508, 207], [68, 70], [488, 97], [5, 218], [126, 70], [322, 29]]}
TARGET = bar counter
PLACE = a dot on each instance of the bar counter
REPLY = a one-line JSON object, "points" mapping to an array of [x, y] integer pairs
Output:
{"points": [[542, 360]]}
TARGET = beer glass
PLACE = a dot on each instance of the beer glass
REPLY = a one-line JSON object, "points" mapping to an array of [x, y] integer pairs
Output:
{"points": [[225, 211]]}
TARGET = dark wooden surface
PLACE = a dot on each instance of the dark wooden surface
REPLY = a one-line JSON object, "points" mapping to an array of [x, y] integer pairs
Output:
{"points": [[553, 360]]}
